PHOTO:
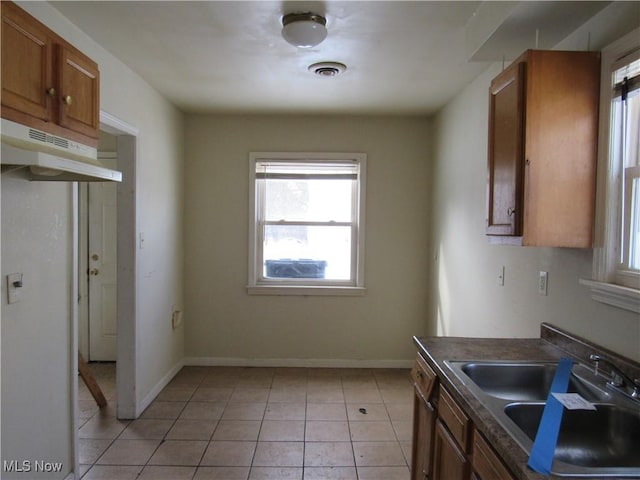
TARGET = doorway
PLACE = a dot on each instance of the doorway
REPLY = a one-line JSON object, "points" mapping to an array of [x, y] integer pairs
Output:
{"points": [[107, 263], [98, 260]]}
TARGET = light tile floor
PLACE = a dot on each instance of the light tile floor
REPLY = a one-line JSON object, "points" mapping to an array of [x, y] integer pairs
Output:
{"points": [[232, 423]]}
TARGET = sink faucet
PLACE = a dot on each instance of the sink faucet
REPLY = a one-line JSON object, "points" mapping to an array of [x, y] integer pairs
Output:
{"points": [[618, 378]]}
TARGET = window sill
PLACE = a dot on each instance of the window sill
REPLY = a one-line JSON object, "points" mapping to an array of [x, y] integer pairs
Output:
{"points": [[612, 294], [306, 290]]}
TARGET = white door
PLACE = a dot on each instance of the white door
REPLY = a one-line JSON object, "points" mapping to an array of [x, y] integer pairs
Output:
{"points": [[102, 269]]}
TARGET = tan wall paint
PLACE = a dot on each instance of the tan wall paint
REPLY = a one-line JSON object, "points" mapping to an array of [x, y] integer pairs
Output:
{"points": [[37, 418], [224, 322]]}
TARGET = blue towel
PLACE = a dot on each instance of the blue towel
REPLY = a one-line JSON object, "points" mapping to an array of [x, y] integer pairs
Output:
{"points": [[544, 445]]}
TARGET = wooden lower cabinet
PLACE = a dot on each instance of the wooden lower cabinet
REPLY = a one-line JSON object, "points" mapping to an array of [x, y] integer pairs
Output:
{"points": [[486, 464], [423, 434], [424, 418], [446, 445], [449, 461]]}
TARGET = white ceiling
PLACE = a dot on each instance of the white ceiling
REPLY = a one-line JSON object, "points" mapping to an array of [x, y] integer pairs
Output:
{"points": [[229, 56]]}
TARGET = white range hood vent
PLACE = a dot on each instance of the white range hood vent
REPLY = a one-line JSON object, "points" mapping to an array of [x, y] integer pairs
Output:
{"points": [[49, 157]]}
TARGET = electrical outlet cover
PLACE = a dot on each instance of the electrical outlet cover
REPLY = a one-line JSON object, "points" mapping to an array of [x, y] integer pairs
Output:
{"points": [[13, 291], [543, 283]]}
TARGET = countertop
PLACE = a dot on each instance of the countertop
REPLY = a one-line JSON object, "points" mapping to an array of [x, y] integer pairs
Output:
{"points": [[547, 348]]}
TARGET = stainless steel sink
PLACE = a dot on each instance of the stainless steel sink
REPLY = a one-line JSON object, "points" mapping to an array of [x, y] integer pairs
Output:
{"points": [[521, 381], [601, 443], [608, 437]]}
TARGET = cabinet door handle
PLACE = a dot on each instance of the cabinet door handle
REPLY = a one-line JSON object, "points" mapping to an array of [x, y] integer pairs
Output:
{"points": [[51, 92], [68, 100], [511, 211]]}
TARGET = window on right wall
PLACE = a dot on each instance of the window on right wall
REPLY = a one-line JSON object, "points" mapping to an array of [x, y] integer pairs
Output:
{"points": [[616, 269], [624, 144]]}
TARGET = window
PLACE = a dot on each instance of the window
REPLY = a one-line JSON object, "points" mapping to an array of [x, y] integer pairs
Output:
{"points": [[616, 269], [625, 130], [306, 223]]}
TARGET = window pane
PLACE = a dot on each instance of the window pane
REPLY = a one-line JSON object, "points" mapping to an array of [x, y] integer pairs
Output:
{"points": [[307, 252], [630, 70], [634, 227], [317, 200], [632, 130]]}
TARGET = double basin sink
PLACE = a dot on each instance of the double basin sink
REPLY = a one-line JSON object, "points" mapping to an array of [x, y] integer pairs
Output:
{"points": [[604, 442]]}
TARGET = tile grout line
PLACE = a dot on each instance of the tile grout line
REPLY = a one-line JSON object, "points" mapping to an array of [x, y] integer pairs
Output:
{"points": [[240, 385]]}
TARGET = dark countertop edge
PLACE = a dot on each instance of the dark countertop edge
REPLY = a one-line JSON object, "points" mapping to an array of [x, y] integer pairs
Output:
{"points": [[553, 344]]}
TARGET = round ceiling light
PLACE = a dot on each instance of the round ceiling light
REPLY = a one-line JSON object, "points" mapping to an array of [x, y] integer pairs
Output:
{"points": [[304, 30], [327, 69]]}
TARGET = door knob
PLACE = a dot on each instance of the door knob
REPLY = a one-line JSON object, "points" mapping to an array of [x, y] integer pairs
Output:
{"points": [[94, 271]]}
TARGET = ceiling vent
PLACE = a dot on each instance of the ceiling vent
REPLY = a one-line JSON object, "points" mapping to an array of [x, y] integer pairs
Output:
{"points": [[327, 69]]}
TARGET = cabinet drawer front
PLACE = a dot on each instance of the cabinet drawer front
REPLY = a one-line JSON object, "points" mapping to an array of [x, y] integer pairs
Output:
{"points": [[485, 462], [424, 378], [455, 419]]}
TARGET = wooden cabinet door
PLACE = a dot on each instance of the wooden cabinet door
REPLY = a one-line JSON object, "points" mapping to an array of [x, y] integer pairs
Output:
{"points": [[423, 431], [27, 51], [506, 152], [562, 94], [449, 462], [486, 464], [79, 81]]}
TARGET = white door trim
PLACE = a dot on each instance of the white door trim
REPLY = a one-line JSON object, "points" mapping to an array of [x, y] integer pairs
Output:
{"points": [[126, 366], [126, 361]]}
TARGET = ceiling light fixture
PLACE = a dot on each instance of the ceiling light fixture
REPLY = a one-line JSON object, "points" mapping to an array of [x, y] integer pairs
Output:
{"points": [[304, 30]]}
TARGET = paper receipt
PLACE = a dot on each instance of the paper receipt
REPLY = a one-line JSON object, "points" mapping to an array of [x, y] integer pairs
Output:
{"points": [[573, 401]]}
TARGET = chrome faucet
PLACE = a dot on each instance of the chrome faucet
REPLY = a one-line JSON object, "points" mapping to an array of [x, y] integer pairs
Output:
{"points": [[618, 378]]}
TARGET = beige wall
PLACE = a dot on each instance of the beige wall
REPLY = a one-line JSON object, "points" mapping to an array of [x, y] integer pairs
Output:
{"points": [[224, 323], [466, 297], [37, 353]]}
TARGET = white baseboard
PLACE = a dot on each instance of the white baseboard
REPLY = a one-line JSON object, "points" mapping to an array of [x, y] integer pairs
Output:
{"points": [[294, 362], [153, 393]]}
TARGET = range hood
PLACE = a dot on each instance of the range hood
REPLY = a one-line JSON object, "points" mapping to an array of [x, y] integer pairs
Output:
{"points": [[49, 157]]}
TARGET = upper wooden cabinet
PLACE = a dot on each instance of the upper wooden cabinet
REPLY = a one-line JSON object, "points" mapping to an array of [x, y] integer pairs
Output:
{"points": [[543, 123], [78, 79], [46, 82]]}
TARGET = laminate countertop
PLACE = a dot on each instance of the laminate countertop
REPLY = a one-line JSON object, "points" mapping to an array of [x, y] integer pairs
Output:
{"points": [[553, 345]]}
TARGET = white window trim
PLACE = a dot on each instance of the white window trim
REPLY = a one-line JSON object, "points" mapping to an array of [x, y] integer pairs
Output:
{"points": [[605, 260], [254, 287]]}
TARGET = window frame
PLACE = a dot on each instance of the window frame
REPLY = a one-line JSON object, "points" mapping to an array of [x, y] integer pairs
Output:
{"points": [[611, 283], [257, 284]]}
